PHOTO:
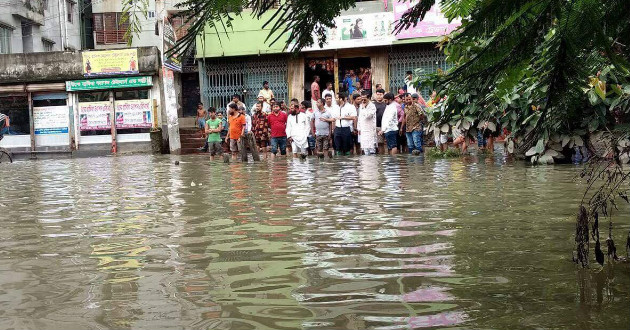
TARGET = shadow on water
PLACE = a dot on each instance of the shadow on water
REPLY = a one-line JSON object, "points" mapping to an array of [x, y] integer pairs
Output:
{"points": [[136, 242]]}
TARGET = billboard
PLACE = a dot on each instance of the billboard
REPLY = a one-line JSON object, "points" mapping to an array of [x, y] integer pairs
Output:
{"points": [[434, 23], [110, 62]]}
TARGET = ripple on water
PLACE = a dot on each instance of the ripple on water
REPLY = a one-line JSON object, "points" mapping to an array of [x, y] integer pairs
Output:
{"points": [[352, 243]]}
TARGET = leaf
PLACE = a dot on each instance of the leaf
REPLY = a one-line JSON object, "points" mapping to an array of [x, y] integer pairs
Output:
{"points": [[540, 146], [617, 89], [565, 140], [467, 124], [510, 146], [599, 255], [600, 89], [552, 153], [592, 97], [531, 152], [444, 128], [593, 125], [492, 127], [545, 159], [578, 141]]}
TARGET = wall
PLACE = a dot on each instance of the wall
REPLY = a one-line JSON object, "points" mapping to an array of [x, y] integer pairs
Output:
{"points": [[45, 23], [61, 66]]}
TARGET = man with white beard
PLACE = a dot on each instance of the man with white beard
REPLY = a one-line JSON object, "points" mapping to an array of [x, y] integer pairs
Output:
{"points": [[366, 125], [298, 129]]}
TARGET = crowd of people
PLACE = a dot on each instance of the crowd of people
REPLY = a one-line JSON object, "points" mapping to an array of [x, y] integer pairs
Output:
{"points": [[324, 126]]}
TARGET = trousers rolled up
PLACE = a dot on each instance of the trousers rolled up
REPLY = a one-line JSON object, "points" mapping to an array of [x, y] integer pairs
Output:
{"points": [[343, 139]]}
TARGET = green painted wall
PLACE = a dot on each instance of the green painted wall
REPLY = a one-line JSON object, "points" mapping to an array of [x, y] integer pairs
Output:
{"points": [[246, 37]]}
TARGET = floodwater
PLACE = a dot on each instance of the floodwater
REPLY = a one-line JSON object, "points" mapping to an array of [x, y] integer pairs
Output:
{"points": [[136, 242]]}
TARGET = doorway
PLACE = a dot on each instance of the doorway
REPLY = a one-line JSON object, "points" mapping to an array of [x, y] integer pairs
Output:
{"points": [[360, 66], [323, 67]]}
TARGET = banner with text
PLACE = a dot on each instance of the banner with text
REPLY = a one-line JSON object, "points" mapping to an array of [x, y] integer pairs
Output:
{"points": [[100, 84], [51, 120], [434, 23], [110, 62], [95, 116], [359, 31], [133, 114]]}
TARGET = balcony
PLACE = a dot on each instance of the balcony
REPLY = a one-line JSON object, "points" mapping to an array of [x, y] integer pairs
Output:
{"points": [[110, 37]]}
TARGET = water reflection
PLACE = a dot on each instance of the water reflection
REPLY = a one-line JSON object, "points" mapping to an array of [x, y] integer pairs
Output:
{"points": [[352, 243]]}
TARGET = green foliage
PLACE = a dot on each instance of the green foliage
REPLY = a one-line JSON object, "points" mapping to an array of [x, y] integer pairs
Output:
{"points": [[436, 153], [132, 11]]}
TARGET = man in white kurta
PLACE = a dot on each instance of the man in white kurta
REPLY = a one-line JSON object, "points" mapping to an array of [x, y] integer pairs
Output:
{"points": [[298, 128], [366, 126]]}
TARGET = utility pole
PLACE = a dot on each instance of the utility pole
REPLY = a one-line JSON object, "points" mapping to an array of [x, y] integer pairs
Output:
{"points": [[167, 84]]}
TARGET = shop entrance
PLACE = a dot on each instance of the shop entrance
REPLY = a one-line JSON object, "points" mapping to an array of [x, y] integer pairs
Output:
{"points": [[360, 66], [324, 68]]}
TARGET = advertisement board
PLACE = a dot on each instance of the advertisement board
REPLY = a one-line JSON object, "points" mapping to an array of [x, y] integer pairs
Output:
{"points": [[133, 113], [434, 23], [99, 84], [110, 62], [51, 120], [363, 30], [95, 116], [172, 60]]}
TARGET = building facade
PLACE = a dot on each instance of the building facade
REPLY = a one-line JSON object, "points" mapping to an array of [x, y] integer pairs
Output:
{"points": [[82, 103], [28, 26], [239, 61]]}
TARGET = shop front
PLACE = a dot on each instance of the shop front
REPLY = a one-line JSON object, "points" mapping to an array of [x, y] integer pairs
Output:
{"points": [[114, 114], [39, 118]]}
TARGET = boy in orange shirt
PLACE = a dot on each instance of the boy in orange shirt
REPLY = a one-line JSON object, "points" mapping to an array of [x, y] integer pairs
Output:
{"points": [[236, 122]]}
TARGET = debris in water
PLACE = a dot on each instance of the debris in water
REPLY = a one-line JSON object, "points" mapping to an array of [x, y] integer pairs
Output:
{"points": [[192, 183], [177, 162]]}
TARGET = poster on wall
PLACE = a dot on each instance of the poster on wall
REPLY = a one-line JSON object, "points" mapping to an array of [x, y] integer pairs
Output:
{"points": [[172, 60], [110, 62], [51, 120], [434, 23], [95, 116], [359, 31], [133, 114]]}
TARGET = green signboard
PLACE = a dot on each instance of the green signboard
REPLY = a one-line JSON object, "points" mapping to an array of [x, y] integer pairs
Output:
{"points": [[97, 84]]}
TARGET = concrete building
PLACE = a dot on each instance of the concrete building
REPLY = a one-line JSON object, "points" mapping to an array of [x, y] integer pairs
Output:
{"points": [[109, 32], [82, 103], [238, 63], [28, 26]]}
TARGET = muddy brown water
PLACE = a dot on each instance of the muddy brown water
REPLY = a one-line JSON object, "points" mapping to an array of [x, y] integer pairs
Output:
{"points": [[136, 242]]}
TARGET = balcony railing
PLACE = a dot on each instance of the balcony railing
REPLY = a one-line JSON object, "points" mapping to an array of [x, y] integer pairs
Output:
{"points": [[110, 37]]}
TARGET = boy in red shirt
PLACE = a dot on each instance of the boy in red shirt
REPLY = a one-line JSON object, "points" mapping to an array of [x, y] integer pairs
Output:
{"points": [[278, 124], [237, 128]]}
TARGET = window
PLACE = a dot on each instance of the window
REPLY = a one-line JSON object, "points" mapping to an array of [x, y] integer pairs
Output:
{"points": [[5, 40], [49, 46], [16, 108], [70, 10], [108, 29]]}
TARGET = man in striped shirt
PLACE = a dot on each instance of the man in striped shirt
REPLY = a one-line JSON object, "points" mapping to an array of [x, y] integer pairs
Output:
{"points": [[4, 125]]}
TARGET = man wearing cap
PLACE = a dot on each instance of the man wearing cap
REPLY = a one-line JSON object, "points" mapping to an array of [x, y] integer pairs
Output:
{"points": [[389, 128], [266, 108], [266, 92]]}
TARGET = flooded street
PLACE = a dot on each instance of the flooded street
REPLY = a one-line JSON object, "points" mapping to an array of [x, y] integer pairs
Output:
{"points": [[136, 242]]}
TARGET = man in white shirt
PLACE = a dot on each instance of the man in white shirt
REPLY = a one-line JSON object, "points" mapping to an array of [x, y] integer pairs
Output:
{"points": [[409, 82], [367, 124], [266, 108], [389, 127], [345, 115], [298, 129], [329, 91]]}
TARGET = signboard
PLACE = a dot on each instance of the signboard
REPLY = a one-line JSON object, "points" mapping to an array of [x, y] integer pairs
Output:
{"points": [[110, 62], [95, 116], [133, 114], [359, 31], [434, 23], [97, 84], [172, 60], [51, 120]]}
